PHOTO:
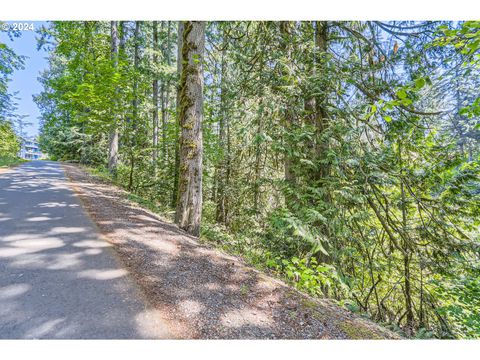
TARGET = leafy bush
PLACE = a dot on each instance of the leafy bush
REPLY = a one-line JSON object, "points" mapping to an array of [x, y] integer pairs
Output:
{"points": [[461, 303], [9, 144], [310, 276]]}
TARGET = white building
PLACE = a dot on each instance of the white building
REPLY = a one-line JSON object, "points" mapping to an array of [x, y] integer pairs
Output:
{"points": [[30, 149]]}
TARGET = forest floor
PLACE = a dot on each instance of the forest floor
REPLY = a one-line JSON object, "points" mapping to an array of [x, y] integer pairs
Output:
{"points": [[201, 292]]}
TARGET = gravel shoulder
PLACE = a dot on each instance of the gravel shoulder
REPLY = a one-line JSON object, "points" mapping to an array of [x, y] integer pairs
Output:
{"points": [[201, 292]]}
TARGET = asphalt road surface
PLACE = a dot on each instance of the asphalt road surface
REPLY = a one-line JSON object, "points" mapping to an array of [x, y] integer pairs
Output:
{"points": [[58, 278]]}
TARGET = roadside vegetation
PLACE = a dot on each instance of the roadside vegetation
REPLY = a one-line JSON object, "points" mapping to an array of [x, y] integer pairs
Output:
{"points": [[9, 162], [9, 145]]}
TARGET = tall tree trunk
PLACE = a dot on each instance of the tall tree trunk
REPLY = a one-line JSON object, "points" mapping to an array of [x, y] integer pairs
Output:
{"points": [[86, 47], [163, 106], [123, 39], [113, 138], [258, 147], [407, 256], [228, 171], [289, 118], [167, 91], [189, 205], [408, 294], [315, 106], [321, 120], [177, 122], [258, 159], [134, 138], [155, 96], [136, 62], [221, 168], [310, 68], [168, 57]]}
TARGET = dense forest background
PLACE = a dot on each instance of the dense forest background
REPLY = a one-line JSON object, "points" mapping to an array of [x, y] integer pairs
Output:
{"points": [[341, 156]]}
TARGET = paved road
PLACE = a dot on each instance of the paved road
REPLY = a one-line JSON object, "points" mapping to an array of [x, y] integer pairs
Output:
{"points": [[58, 277]]}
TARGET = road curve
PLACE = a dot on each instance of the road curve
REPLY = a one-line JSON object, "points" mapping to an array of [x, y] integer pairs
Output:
{"points": [[58, 278]]}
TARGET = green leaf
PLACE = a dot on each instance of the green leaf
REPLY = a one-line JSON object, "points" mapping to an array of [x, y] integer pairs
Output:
{"points": [[419, 83], [402, 94]]}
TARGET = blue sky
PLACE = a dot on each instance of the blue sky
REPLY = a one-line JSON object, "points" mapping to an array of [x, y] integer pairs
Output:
{"points": [[25, 81]]}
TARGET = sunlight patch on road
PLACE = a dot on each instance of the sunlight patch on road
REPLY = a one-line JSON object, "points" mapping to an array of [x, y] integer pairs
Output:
{"points": [[27, 246], [44, 329], [40, 218], [66, 230], [56, 204], [102, 274], [92, 251], [91, 244], [65, 261], [14, 290]]}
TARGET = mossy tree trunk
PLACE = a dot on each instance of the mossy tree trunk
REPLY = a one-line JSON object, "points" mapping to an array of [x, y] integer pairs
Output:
{"points": [[189, 203]]}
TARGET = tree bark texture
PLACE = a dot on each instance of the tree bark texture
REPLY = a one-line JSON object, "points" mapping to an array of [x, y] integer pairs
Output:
{"points": [[189, 204]]}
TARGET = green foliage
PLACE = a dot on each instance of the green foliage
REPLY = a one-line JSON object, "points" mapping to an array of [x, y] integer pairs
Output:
{"points": [[10, 144], [309, 276], [9, 62], [289, 233], [465, 39], [460, 296], [10, 161]]}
